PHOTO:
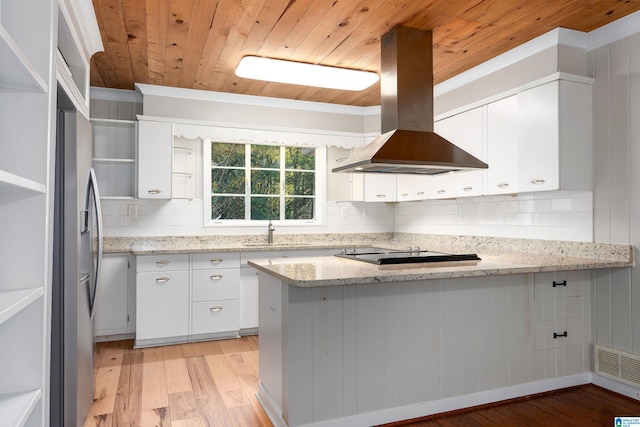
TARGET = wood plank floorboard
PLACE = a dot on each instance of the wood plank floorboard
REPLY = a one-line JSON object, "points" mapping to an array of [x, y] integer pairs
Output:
{"points": [[214, 384]]}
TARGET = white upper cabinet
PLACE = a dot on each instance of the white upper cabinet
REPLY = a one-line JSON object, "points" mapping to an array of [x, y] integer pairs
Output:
{"points": [[441, 186], [502, 146], [379, 187], [555, 136], [342, 186], [412, 187], [468, 134], [154, 159]]}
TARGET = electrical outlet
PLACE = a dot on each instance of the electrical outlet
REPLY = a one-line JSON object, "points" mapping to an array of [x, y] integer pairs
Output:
{"points": [[344, 212], [365, 212], [132, 210]]}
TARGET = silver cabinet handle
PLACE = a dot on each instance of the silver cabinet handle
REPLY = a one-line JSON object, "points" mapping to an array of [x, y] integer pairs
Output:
{"points": [[503, 184], [405, 194], [216, 308], [162, 263], [442, 191], [381, 196], [215, 277], [154, 191], [215, 261], [163, 279], [341, 159], [420, 193], [468, 188], [537, 181]]}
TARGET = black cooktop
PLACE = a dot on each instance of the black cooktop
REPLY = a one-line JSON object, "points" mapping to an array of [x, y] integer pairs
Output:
{"points": [[382, 256]]}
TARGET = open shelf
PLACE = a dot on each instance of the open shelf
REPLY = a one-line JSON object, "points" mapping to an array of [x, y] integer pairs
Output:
{"points": [[15, 408], [17, 72], [113, 122], [103, 160], [12, 302], [10, 182]]}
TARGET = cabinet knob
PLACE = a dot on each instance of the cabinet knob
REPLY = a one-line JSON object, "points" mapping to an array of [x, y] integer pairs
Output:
{"points": [[537, 181], [162, 263], [405, 194], [503, 184], [215, 277], [468, 188], [216, 308], [163, 279], [154, 191], [441, 191], [420, 193], [215, 261]]}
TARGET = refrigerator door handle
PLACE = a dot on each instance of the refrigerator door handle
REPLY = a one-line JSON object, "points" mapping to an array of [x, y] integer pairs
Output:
{"points": [[92, 201]]}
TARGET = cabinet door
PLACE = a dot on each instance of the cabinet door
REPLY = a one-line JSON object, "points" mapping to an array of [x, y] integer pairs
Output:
{"points": [[502, 146], [441, 186], [248, 298], [162, 304], [468, 134], [538, 136], [154, 160], [379, 188], [412, 187], [113, 307]]}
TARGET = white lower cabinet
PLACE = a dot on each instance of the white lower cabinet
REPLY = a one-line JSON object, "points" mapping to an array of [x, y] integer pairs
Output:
{"points": [[215, 304], [162, 298], [560, 326], [114, 313], [248, 299]]}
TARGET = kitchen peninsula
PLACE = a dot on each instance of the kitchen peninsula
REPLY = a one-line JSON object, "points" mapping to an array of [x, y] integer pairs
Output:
{"points": [[348, 343]]}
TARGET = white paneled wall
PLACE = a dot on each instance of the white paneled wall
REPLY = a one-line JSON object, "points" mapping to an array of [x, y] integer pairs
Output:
{"points": [[616, 68], [553, 215]]}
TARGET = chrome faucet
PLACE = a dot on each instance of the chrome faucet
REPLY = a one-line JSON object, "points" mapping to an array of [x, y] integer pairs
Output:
{"points": [[270, 230]]}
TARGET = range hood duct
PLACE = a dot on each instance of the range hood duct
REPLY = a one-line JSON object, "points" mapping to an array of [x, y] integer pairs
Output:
{"points": [[408, 144]]}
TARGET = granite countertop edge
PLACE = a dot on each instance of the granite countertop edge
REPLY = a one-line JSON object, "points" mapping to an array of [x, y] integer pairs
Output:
{"points": [[499, 255]]}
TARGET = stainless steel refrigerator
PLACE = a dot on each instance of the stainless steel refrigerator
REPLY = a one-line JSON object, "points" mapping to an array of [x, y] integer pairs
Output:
{"points": [[76, 271]]}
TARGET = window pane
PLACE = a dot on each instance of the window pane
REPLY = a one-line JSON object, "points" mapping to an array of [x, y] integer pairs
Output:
{"points": [[227, 181], [299, 183], [298, 208], [227, 207], [265, 156], [226, 154], [265, 182], [265, 208], [300, 158]]}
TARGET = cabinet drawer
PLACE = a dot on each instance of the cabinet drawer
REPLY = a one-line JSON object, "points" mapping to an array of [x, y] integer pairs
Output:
{"points": [[559, 284], [201, 261], [215, 316], [544, 333], [162, 262], [216, 284]]}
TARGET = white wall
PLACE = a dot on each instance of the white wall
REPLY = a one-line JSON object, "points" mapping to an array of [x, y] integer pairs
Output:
{"points": [[616, 68]]}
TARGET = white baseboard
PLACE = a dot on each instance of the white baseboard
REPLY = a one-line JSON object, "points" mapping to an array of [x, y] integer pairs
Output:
{"points": [[433, 407], [616, 386]]}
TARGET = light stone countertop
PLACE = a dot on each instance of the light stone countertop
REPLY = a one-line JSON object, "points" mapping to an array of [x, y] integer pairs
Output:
{"points": [[498, 255], [335, 271]]}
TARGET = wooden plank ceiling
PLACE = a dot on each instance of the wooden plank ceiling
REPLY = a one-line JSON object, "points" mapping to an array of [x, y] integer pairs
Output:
{"points": [[198, 43]]}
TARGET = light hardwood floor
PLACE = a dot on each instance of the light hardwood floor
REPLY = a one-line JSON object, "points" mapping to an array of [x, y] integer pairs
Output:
{"points": [[198, 384], [214, 384]]}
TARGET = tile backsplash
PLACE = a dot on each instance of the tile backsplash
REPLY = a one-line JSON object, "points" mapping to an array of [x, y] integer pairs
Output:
{"points": [[554, 215]]}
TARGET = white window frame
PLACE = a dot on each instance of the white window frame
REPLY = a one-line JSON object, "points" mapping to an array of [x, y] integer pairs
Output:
{"points": [[320, 186]]}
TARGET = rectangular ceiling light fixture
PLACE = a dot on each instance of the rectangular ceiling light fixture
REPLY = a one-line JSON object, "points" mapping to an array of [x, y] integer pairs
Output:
{"points": [[299, 73]]}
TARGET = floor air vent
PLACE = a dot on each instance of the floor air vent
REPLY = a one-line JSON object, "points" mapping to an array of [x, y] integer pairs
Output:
{"points": [[618, 365]]}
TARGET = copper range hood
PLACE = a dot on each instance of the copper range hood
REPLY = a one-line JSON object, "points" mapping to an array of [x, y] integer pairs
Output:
{"points": [[408, 144]]}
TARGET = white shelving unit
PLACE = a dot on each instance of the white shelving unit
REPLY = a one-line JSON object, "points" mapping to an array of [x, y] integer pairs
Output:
{"points": [[26, 106], [114, 151]]}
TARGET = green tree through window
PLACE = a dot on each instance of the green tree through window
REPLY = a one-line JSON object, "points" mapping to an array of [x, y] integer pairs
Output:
{"points": [[262, 182]]}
